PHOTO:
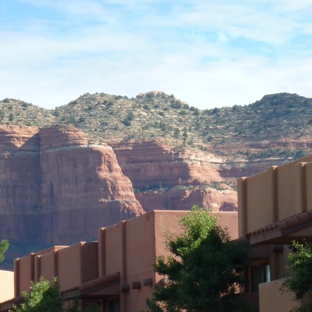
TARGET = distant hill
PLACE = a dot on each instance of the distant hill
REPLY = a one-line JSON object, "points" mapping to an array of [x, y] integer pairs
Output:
{"points": [[155, 114]]}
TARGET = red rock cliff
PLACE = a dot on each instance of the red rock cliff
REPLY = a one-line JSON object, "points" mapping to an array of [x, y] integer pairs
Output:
{"points": [[57, 189], [165, 179]]}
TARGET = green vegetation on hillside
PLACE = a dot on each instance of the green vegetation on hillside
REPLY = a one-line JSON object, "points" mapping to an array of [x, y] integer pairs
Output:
{"points": [[159, 115]]}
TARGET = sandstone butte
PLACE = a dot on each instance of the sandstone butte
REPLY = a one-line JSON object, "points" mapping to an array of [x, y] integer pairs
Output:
{"points": [[56, 188]]}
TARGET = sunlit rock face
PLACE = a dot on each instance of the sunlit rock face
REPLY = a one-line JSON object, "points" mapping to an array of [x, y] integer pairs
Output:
{"points": [[56, 188], [167, 179]]}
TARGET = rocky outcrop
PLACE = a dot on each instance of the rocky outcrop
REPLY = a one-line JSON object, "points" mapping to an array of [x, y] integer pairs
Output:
{"points": [[57, 189], [149, 162], [182, 198], [165, 179]]}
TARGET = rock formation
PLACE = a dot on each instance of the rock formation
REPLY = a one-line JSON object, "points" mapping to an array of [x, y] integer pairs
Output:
{"points": [[57, 189], [165, 179]]}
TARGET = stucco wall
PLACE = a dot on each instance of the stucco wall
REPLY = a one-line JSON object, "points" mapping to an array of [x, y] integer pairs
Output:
{"points": [[129, 247], [113, 249], [140, 258], [275, 194], [6, 285], [272, 300], [49, 266], [26, 273], [71, 269]]}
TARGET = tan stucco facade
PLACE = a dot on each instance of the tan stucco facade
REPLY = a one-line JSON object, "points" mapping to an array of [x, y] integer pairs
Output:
{"points": [[272, 299], [274, 209], [6, 285], [118, 268], [275, 194]]}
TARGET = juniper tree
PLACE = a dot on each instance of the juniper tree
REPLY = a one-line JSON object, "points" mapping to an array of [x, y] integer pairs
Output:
{"points": [[205, 268]]}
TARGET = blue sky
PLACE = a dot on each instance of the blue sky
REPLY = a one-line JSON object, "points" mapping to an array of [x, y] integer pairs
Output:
{"points": [[209, 53]]}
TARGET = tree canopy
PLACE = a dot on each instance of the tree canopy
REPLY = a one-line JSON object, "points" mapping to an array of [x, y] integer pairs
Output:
{"points": [[4, 245], [299, 278], [204, 270], [45, 296]]}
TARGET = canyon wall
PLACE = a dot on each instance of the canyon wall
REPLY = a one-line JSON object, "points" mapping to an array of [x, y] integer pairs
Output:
{"points": [[57, 189], [165, 179]]}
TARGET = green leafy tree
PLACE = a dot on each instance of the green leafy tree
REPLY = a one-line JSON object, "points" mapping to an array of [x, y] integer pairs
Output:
{"points": [[4, 245], [204, 270], [299, 279], [45, 296]]}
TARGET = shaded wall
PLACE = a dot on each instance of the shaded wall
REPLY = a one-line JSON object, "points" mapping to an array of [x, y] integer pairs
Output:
{"points": [[129, 247], [272, 300]]}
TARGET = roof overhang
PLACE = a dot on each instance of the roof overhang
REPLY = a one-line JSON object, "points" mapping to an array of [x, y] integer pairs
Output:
{"points": [[282, 236], [98, 288]]}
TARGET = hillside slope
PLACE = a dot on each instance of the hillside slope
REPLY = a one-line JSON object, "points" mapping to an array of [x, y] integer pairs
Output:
{"points": [[158, 115]]}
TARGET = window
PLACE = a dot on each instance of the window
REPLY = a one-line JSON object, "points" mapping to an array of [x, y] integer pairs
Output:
{"points": [[260, 274], [114, 306]]}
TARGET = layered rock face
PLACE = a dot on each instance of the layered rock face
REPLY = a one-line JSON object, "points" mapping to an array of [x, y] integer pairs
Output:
{"points": [[165, 179], [20, 174], [57, 189], [184, 199], [148, 162]]}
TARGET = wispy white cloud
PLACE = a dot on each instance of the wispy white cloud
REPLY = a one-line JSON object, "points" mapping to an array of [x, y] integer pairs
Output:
{"points": [[207, 53]]}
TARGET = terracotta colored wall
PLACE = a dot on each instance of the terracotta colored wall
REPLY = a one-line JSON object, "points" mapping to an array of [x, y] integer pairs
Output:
{"points": [[140, 245], [275, 194], [260, 197], [140, 257], [309, 185], [229, 220], [129, 247], [286, 190], [70, 264], [89, 262], [272, 300], [170, 220], [48, 263], [26, 269], [113, 249], [6, 285]]}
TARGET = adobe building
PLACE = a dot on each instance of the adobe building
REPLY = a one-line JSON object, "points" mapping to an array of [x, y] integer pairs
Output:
{"points": [[275, 208], [116, 271], [6, 285]]}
